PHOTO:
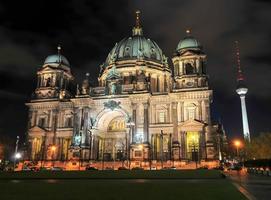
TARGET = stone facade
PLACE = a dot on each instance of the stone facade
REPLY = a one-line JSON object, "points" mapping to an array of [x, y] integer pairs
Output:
{"points": [[139, 110]]}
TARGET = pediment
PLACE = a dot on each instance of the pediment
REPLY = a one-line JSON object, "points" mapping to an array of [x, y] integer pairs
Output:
{"points": [[192, 125], [36, 130]]}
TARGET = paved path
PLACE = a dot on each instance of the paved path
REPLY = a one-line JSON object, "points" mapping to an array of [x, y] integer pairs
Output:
{"points": [[252, 186]]}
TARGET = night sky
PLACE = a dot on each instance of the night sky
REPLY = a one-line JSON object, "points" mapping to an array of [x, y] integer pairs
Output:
{"points": [[87, 30]]}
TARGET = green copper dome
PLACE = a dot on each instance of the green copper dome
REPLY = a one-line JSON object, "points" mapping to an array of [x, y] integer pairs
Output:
{"points": [[57, 59], [188, 42], [134, 47]]}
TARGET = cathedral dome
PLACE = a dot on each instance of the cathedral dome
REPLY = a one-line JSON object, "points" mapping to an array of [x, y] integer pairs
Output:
{"points": [[188, 42], [57, 59], [135, 47]]}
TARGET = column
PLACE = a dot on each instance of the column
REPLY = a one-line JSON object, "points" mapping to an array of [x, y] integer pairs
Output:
{"points": [[54, 124], [202, 148], [183, 145], [165, 84], [146, 122], [169, 111], [200, 110], [134, 129], [85, 134], [207, 111], [77, 123], [174, 120], [175, 141], [181, 111], [158, 84]]}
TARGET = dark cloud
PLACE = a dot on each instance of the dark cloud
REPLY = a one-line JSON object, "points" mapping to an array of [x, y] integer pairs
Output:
{"points": [[88, 30]]}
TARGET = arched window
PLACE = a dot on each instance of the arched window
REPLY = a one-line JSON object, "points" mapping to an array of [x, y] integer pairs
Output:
{"points": [[117, 124], [127, 52], [68, 122], [42, 122], [189, 69]]}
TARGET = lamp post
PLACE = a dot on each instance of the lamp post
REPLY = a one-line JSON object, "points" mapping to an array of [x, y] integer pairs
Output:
{"points": [[237, 144], [16, 152]]}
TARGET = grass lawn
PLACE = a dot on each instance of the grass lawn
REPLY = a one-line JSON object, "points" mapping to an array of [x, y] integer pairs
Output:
{"points": [[121, 174], [101, 185]]}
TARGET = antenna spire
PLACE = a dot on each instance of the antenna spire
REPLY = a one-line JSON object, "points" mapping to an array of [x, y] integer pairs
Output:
{"points": [[240, 76]]}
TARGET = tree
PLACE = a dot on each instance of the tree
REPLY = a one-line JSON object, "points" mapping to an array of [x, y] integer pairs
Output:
{"points": [[6, 146], [259, 147]]}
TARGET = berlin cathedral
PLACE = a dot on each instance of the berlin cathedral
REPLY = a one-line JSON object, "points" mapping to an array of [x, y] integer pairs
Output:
{"points": [[141, 108]]}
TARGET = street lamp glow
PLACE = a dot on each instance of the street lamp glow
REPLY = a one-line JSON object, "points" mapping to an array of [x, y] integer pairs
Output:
{"points": [[18, 155], [237, 143], [53, 148]]}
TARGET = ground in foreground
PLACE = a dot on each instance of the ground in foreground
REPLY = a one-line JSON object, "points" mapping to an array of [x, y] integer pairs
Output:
{"points": [[168, 188]]}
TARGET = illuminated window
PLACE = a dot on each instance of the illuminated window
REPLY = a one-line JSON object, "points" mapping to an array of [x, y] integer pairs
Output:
{"points": [[162, 117], [191, 113]]}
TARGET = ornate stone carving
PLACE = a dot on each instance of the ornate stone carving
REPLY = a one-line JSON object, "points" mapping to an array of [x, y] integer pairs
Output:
{"points": [[112, 105]]}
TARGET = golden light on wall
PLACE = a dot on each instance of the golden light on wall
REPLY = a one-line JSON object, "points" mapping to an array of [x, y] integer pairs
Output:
{"points": [[117, 124], [192, 140]]}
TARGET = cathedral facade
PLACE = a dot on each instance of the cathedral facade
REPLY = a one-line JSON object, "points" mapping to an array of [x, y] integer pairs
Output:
{"points": [[140, 110]]}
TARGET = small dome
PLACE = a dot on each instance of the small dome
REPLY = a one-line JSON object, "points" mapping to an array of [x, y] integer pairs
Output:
{"points": [[57, 59], [188, 42]]}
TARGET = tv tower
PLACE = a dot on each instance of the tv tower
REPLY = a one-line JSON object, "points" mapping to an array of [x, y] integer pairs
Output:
{"points": [[242, 91]]}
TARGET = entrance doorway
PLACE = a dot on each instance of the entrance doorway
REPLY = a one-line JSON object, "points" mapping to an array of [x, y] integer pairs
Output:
{"points": [[192, 148]]}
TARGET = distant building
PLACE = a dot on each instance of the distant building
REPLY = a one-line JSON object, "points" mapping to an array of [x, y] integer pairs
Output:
{"points": [[139, 111]]}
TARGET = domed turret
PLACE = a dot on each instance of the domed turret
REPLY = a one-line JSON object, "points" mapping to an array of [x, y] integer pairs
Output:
{"points": [[189, 64], [55, 79], [56, 59], [189, 42]]}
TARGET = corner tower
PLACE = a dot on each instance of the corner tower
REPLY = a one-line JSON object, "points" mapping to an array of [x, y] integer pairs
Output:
{"points": [[189, 65], [54, 79]]}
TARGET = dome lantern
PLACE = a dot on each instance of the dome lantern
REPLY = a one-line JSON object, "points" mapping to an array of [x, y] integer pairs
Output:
{"points": [[137, 30]]}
